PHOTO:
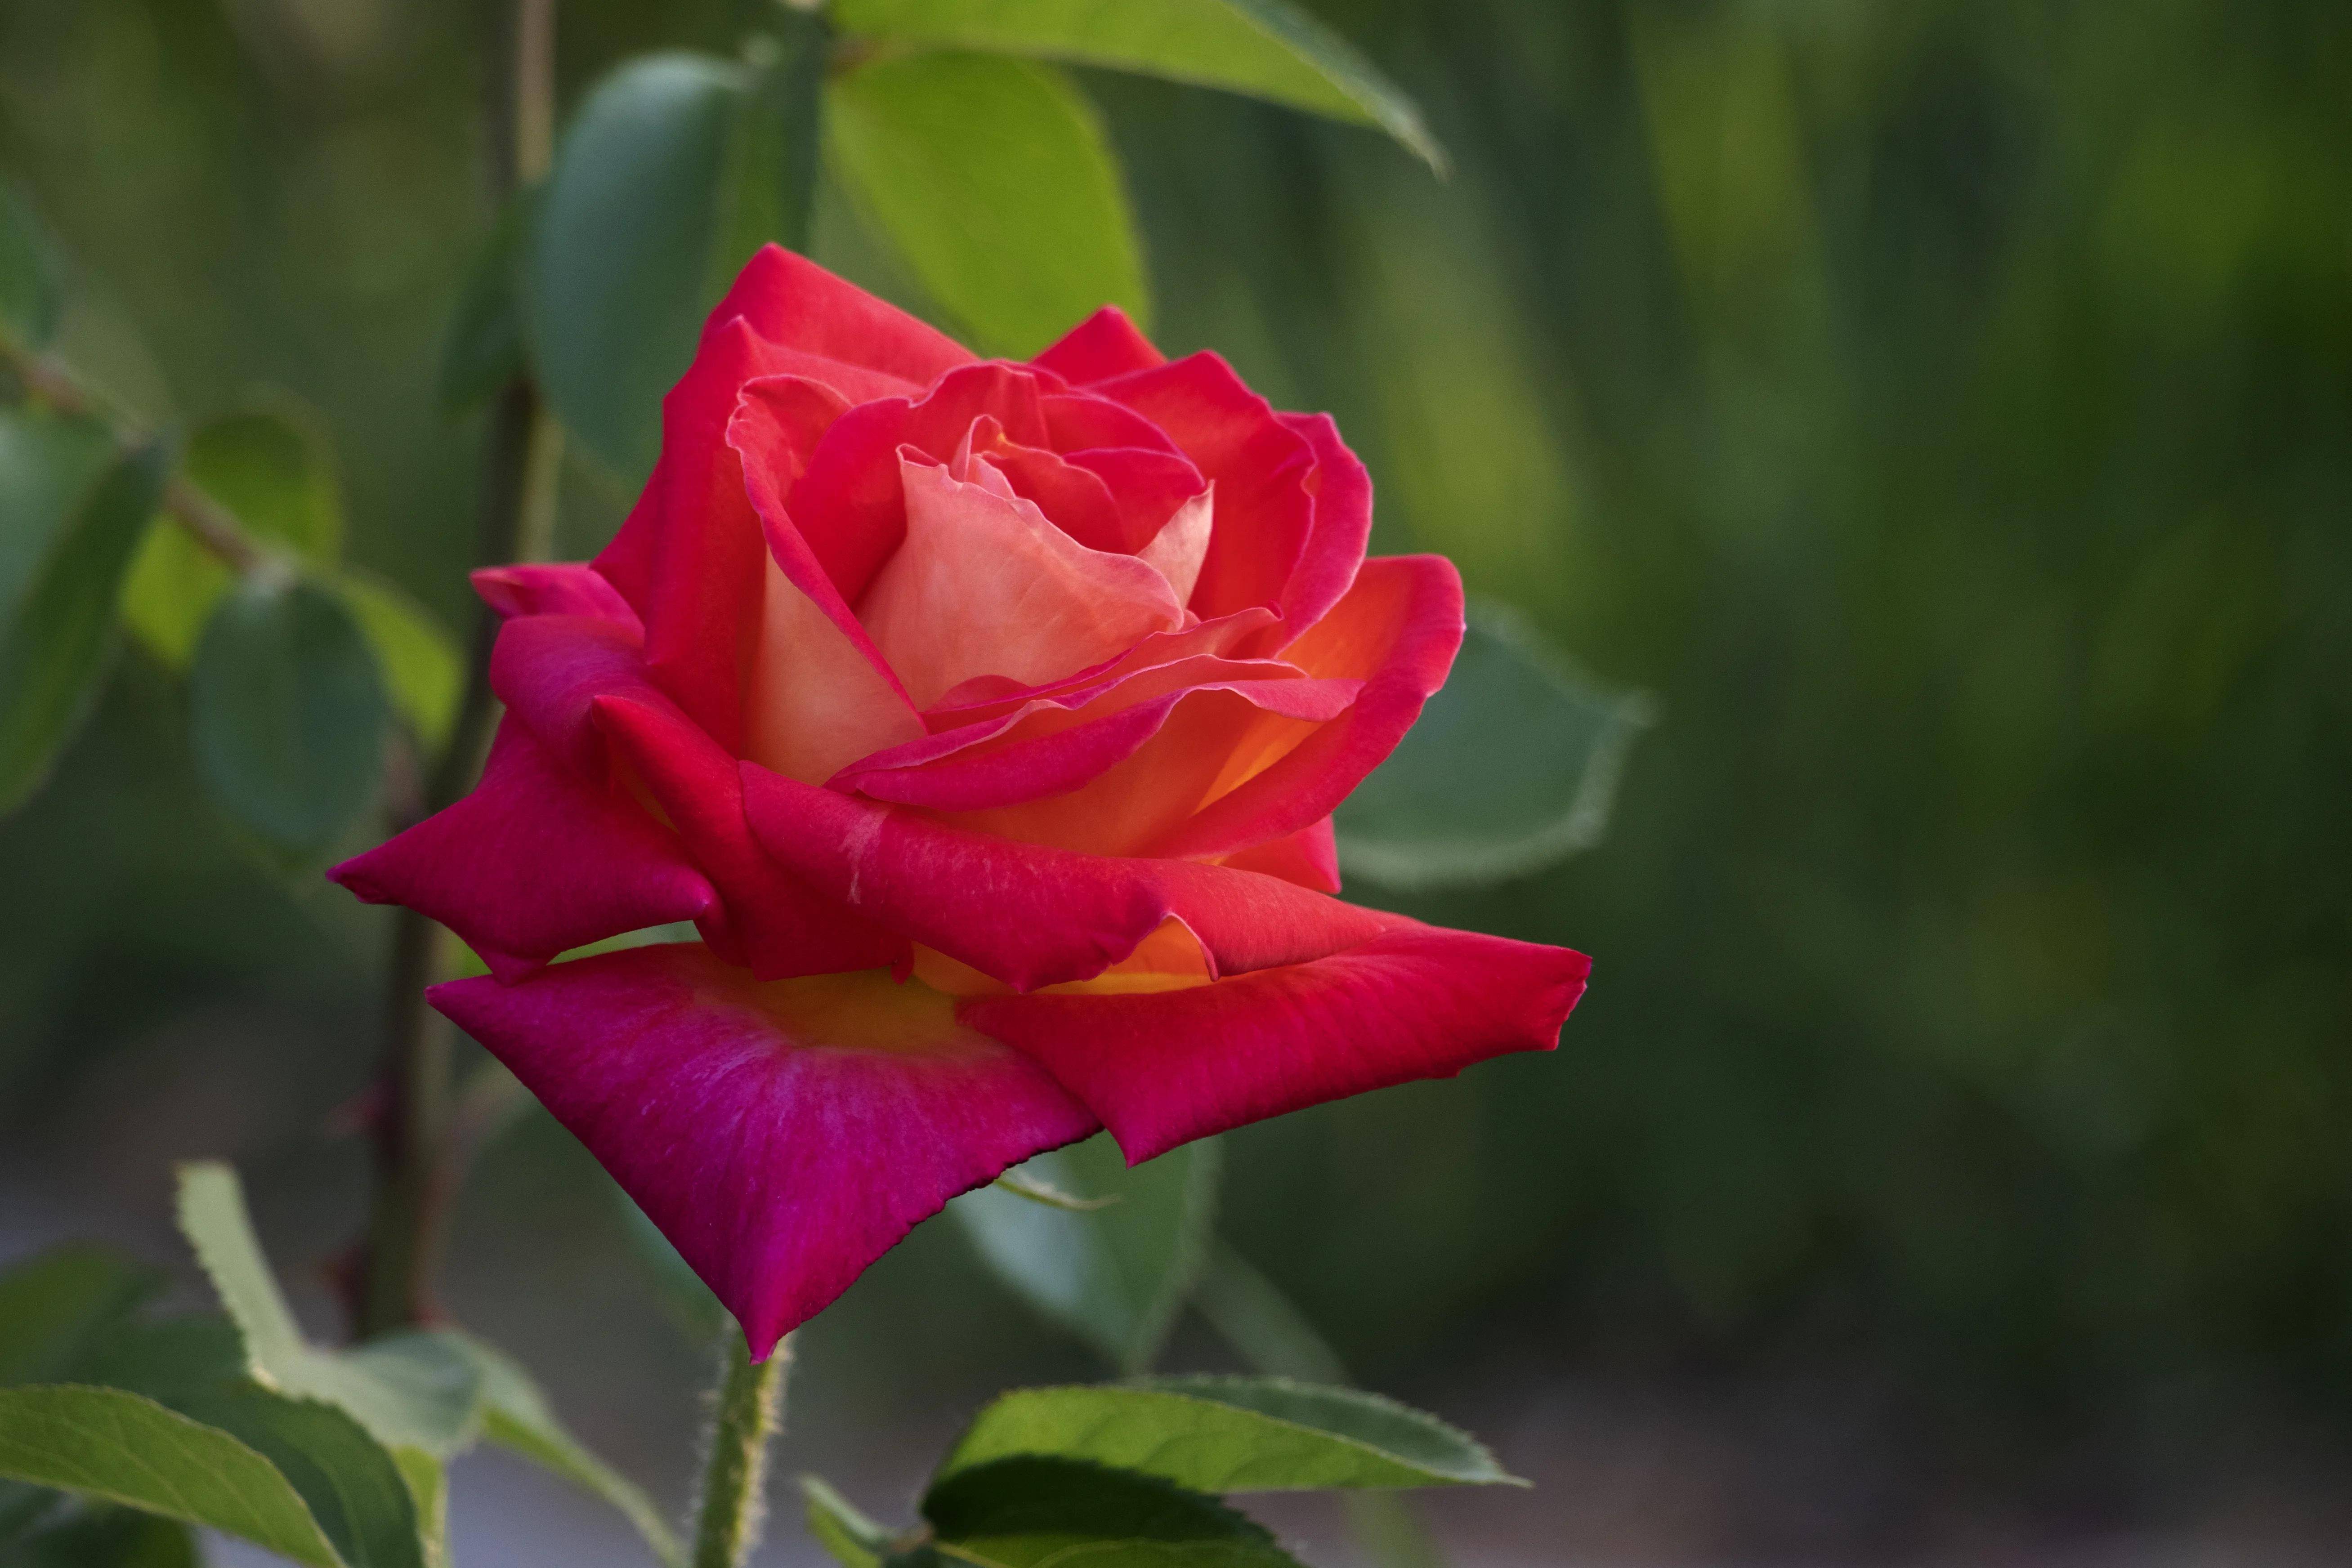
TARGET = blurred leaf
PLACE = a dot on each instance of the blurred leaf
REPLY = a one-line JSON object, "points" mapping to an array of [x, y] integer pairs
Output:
{"points": [[353, 1486], [174, 586], [121, 1447], [993, 178], [270, 467], [1027, 1512], [428, 1490], [518, 1417], [1261, 1322], [847, 1536], [289, 713], [1232, 1434], [483, 347], [1512, 765], [273, 468], [1267, 48], [103, 1537], [620, 266], [32, 274], [76, 511], [422, 668], [419, 1389], [56, 1302], [1115, 1276]]}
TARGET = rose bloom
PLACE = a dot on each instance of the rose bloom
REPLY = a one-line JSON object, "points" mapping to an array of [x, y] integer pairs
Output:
{"points": [[986, 720]]}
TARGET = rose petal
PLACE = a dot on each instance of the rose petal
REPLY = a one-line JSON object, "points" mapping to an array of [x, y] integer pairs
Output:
{"points": [[1260, 466], [1417, 1002], [985, 585], [782, 1136], [536, 860], [1105, 344], [796, 304], [1031, 916], [775, 923], [1309, 858], [567, 589], [1397, 631]]}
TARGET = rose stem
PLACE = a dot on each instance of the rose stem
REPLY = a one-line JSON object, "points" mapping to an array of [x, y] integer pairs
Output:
{"points": [[414, 1147], [749, 1401]]}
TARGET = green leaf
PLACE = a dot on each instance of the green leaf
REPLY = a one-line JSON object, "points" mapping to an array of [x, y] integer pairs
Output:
{"points": [[518, 1418], [994, 180], [420, 663], [103, 1537], [55, 1304], [352, 1485], [848, 1537], [1028, 1513], [428, 1490], [483, 349], [273, 468], [626, 245], [76, 511], [1115, 1276], [173, 587], [32, 274], [421, 1389], [1232, 1434], [289, 712], [1512, 765], [121, 1447], [1267, 48]]}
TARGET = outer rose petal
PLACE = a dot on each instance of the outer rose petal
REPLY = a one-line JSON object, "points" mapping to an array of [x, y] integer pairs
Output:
{"points": [[1030, 915], [1105, 344], [782, 1136], [796, 304], [777, 924], [556, 589], [1309, 858], [1397, 631], [537, 860], [1166, 1067]]}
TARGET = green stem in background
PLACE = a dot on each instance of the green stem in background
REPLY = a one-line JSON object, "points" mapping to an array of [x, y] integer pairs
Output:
{"points": [[751, 1404], [415, 1176]]}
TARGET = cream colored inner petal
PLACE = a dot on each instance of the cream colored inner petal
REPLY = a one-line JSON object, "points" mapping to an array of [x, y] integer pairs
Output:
{"points": [[816, 704], [1177, 551], [984, 584]]}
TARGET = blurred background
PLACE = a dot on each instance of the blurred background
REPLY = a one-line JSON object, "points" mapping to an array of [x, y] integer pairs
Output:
{"points": [[1944, 409]]}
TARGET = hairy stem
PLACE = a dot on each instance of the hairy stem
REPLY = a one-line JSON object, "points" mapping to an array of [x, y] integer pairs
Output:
{"points": [[415, 1176], [750, 1406]]}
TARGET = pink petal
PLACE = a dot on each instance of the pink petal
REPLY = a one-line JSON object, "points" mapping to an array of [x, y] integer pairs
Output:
{"points": [[796, 304], [985, 585], [1082, 421], [1261, 467], [565, 589], [819, 700], [783, 1135], [537, 860], [1342, 524], [548, 670], [1166, 1067], [775, 923], [1309, 858], [1148, 487], [1043, 749], [1177, 551], [1105, 344], [1027, 915], [1397, 631]]}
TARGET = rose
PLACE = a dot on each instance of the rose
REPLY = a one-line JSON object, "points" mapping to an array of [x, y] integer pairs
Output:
{"points": [[986, 720]]}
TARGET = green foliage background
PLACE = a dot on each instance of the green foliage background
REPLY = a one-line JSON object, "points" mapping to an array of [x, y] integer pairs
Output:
{"points": [[1945, 410]]}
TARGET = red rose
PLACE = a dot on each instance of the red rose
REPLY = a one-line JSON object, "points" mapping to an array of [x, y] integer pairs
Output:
{"points": [[987, 719]]}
